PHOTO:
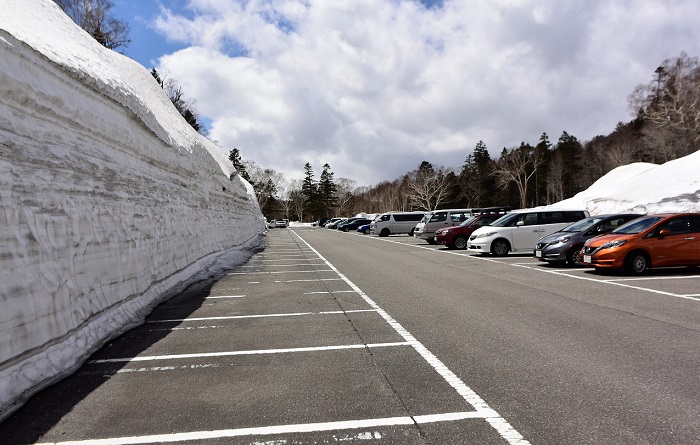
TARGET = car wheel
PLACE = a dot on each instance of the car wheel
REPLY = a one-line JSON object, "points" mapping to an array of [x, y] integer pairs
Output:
{"points": [[411, 232], [500, 247], [430, 241], [384, 232], [345, 229], [460, 242], [637, 263], [573, 257], [366, 231]]}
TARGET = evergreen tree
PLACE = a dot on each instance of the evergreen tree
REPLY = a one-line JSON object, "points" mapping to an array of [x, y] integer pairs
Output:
{"points": [[327, 189], [235, 157], [183, 106], [309, 189]]}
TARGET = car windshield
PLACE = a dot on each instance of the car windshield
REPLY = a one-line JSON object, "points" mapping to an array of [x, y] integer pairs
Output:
{"points": [[468, 221], [637, 225], [505, 220], [426, 217], [582, 226]]}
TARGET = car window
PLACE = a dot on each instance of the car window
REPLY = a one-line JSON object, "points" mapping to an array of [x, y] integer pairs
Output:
{"points": [[459, 217], [637, 225], [439, 217], [469, 221], [528, 219], [551, 217], [385, 217], [677, 226]]}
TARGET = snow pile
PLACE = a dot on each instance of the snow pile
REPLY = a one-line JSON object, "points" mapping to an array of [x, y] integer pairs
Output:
{"points": [[643, 188], [110, 202]]}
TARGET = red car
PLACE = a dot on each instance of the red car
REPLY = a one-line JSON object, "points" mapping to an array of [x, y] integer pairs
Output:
{"points": [[456, 237]]}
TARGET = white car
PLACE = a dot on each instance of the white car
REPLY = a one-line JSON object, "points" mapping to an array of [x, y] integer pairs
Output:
{"points": [[520, 230]]}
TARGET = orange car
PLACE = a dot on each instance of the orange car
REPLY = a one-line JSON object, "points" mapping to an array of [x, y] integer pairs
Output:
{"points": [[669, 239]]}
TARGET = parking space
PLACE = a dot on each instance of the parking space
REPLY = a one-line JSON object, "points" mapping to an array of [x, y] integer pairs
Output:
{"points": [[680, 282], [283, 349]]}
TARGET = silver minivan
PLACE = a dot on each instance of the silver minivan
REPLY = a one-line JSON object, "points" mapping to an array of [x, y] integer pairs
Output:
{"points": [[394, 223], [439, 219]]}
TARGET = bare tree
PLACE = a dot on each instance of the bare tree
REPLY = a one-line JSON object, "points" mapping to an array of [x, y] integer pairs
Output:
{"points": [[266, 182], [555, 179], [672, 99], [94, 17], [346, 198], [427, 186], [517, 165]]}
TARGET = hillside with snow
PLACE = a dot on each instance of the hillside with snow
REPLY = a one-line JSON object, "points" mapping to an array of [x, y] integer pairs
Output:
{"points": [[110, 201]]}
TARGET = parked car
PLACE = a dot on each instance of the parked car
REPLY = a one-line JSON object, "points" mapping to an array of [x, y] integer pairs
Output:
{"points": [[333, 223], [519, 230], [364, 229], [394, 223], [439, 219], [353, 224], [281, 223], [662, 240], [457, 237], [564, 246]]}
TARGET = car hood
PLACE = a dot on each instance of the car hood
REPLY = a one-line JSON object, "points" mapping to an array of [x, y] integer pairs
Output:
{"points": [[551, 237], [602, 239]]}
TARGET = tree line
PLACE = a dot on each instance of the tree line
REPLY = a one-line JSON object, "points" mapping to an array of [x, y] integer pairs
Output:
{"points": [[666, 126]]}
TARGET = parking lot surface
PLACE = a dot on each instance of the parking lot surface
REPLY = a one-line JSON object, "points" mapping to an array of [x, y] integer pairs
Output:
{"points": [[331, 337]]}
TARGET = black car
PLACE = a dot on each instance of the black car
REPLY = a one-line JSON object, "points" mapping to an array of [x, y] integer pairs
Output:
{"points": [[565, 245], [353, 224]]}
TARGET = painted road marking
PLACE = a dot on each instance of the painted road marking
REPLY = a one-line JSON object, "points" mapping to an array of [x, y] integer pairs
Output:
{"points": [[281, 271], [225, 296], [248, 352], [240, 317], [504, 429], [555, 272], [279, 429]]}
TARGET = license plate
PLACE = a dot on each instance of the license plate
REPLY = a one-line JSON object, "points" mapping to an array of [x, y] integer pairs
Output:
{"points": [[538, 253], [586, 258]]}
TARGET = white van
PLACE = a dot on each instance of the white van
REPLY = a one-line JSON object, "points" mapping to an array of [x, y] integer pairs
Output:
{"points": [[394, 223], [439, 219], [520, 230]]}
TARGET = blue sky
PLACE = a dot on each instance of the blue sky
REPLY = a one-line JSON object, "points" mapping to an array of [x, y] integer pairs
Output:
{"points": [[375, 87]]}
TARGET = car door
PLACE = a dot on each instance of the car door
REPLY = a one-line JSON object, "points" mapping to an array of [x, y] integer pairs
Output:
{"points": [[526, 231], [679, 244]]}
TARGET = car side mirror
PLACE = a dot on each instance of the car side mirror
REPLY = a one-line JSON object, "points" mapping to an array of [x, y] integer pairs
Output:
{"points": [[663, 233], [520, 223]]}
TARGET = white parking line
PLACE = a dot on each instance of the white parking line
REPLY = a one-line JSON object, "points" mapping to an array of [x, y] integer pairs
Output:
{"points": [[225, 296], [248, 352], [280, 271], [279, 429], [283, 265], [242, 317], [503, 428]]}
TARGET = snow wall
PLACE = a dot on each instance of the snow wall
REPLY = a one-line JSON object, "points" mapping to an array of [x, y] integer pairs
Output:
{"points": [[109, 202]]}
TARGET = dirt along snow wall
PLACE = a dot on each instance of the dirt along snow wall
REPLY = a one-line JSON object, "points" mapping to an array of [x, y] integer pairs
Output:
{"points": [[104, 210]]}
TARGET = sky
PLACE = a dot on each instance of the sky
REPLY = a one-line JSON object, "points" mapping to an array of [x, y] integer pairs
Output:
{"points": [[375, 87]]}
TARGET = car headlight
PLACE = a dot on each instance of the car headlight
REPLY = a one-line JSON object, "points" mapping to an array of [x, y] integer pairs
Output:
{"points": [[616, 243], [485, 235], [445, 231], [561, 239]]}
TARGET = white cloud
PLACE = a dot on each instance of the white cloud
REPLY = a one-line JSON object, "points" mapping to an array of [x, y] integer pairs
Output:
{"points": [[375, 87]]}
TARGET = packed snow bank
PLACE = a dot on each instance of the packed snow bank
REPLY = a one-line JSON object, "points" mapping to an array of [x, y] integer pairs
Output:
{"points": [[643, 188], [110, 202]]}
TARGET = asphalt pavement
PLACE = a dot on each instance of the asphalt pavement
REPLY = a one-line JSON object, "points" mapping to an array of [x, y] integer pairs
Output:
{"points": [[329, 337]]}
